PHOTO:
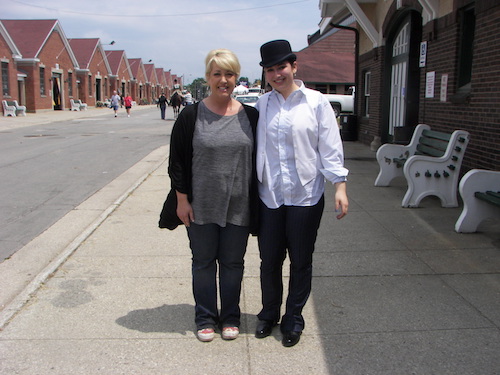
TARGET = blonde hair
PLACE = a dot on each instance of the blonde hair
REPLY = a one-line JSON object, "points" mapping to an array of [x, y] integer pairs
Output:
{"points": [[225, 59]]}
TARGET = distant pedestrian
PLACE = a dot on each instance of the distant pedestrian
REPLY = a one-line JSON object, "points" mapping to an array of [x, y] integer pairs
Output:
{"points": [[162, 104], [188, 98], [115, 102], [127, 100]]}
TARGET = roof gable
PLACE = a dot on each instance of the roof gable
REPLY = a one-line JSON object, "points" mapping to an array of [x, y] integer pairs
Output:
{"points": [[30, 35], [151, 73], [114, 60], [84, 50]]}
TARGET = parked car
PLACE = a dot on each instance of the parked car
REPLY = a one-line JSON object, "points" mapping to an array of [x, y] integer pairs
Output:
{"points": [[255, 91], [341, 103], [250, 100]]}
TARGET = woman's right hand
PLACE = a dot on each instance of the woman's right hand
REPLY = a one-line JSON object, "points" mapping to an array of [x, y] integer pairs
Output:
{"points": [[184, 209]]}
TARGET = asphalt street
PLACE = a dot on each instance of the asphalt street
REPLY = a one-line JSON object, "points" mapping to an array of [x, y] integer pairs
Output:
{"points": [[49, 169]]}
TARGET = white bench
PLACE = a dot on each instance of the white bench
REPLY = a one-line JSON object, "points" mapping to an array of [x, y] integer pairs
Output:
{"points": [[12, 108], [77, 105], [480, 192], [430, 163]]}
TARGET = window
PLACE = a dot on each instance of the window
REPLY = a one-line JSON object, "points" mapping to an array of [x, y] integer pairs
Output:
{"points": [[42, 81], [466, 47], [5, 79], [90, 85], [70, 84], [321, 88], [367, 85]]}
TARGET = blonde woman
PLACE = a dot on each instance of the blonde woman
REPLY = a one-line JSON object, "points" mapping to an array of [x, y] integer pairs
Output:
{"points": [[212, 173]]}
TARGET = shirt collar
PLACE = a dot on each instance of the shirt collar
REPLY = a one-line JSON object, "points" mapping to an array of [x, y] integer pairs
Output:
{"points": [[298, 82]]}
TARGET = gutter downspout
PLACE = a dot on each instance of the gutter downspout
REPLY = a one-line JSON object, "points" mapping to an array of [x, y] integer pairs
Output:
{"points": [[356, 61]]}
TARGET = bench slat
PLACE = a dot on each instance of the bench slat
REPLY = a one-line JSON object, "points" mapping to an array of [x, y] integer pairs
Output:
{"points": [[423, 149], [437, 135], [489, 196], [493, 193]]}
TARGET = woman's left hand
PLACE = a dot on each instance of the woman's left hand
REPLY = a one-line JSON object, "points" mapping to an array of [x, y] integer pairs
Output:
{"points": [[341, 201]]}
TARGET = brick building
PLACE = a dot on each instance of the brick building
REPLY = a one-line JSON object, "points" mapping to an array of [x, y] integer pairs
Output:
{"points": [[44, 70], [420, 61], [121, 78], [152, 82], [46, 63], [93, 73]]}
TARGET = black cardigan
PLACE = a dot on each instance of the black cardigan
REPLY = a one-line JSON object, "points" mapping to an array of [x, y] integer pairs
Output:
{"points": [[180, 167]]}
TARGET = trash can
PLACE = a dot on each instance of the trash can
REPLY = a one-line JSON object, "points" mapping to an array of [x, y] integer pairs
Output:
{"points": [[348, 127]]}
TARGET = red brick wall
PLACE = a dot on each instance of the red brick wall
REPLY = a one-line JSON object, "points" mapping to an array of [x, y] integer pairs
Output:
{"points": [[480, 115], [6, 55], [368, 127]]}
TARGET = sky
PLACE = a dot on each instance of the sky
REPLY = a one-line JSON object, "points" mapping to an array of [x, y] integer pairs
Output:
{"points": [[177, 35]]}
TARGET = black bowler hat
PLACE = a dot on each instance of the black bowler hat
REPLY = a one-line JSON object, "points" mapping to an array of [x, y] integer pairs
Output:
{"points": [[276, 51]]}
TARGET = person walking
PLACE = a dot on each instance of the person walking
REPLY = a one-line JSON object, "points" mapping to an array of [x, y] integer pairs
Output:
{"points": [[213, 179], [162, 104], [298, 147], [127, 100], [115, 102], [188, 98]]}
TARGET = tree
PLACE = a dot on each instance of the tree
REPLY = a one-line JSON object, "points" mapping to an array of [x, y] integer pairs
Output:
{"points": [[198, 88], [244, 81]]}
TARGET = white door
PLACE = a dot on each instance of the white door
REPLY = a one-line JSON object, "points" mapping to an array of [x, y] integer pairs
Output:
{"points": [[399, 78]]}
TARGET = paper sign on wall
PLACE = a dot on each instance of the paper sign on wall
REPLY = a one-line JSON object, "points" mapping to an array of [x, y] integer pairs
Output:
{"points": [[444, 87], [429, 84]]}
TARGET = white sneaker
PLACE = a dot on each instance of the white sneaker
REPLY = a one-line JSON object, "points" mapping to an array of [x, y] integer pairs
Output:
{"points": [[230, 333], [205, 334], [128, 115], [116, 115]]}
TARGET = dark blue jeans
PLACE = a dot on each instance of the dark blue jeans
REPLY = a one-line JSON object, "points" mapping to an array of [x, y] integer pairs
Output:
{"points": [[213, 246], [294, 229], [162, 110]]}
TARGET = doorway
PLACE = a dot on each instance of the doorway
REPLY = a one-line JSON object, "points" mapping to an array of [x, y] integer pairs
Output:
{"points": [[403, 75], [56, 92], [21, 89], [98, 90]]}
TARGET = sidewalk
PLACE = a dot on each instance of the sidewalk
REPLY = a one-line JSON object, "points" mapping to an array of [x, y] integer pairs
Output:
{"points": [[395, 291]]}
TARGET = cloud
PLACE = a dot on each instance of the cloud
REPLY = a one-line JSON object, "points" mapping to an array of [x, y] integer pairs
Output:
{"points": [[178, 35]]}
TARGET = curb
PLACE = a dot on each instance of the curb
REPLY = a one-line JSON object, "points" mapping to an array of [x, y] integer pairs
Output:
{"points": [[18, 302]]}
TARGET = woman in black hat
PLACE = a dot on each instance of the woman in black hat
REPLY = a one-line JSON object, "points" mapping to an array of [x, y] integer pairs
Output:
{"points": [[298, 147]]}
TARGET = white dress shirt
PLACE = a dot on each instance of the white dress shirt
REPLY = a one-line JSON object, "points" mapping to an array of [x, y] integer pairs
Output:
{"points": [[298, 146]]}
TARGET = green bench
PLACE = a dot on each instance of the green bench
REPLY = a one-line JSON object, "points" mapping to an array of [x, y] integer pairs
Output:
{"points": [[480, 192], [430, 163]]}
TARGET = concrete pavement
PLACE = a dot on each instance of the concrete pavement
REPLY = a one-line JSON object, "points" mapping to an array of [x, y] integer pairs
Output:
{"points": [[395, 291]]}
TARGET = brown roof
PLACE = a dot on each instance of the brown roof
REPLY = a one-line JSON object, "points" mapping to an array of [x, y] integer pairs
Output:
{"points": [[150, 71], [29, 35], [114, 60], [325, 67], [135, 64], [84, 49], [161, 76]]}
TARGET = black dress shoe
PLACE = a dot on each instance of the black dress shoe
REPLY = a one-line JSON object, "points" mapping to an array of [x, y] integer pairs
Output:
{"points": [[264, 328], [290, 338]]}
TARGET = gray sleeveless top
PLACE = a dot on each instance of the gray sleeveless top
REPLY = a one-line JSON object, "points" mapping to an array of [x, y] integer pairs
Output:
{"points": [[222, 168]]}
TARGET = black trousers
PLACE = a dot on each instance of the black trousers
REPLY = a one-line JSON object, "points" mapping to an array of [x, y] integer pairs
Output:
{"points": [[224, 248], [294, 229]]}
